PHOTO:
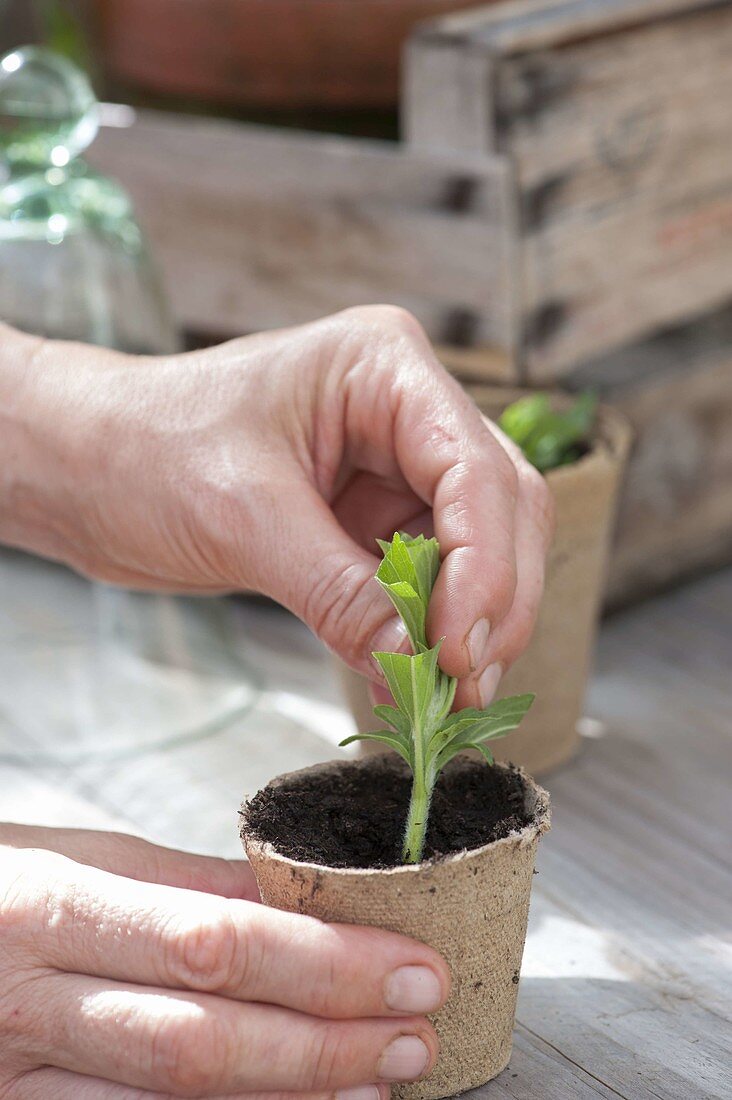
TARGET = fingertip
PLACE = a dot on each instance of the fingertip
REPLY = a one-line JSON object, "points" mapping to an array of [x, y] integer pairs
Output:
{"points": [[469, 602]]}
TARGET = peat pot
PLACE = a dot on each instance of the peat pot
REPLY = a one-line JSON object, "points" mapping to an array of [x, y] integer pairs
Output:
{"points": [[557, 663], [471, 905]]}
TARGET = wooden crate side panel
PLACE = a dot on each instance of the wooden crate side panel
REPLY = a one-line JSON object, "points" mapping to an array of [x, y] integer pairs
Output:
{"points": [[675, 513], [622, 148], [617, 119], [676, 508], [256, 228]]}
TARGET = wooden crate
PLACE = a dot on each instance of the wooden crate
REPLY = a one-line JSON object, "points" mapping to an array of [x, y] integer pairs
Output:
{"points": [[258, 228], [565, 188], [615, 119]]}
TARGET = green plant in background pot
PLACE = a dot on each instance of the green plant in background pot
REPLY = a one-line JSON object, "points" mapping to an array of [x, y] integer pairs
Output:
{"points": [[550, 437], [331, 840]]}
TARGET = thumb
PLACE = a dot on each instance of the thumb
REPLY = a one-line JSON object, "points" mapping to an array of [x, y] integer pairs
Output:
{"points": [[317, 571]]}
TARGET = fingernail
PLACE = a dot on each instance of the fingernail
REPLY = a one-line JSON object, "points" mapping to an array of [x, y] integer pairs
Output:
{"points": [[365, 1092], [405, 1059], [389, 638], [488, 682], [477, 642], [413, 989]]}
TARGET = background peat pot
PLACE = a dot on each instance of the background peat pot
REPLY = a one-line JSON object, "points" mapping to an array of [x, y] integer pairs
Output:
{"points": [[557, 663], [472, 907]]}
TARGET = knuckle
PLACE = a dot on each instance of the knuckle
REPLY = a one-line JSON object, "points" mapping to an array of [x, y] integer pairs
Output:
{"points": [[192, 1056], [326, 1058], [392, 319], [34, 891], [339, 608], [207, 954]]}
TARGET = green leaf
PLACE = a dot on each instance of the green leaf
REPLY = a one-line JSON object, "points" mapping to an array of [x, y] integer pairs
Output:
{"points": [[393, 741], [412, 681], [410, 609], [407, 575], [549, 438], [394, 718], [486, 753], [495, 721]]}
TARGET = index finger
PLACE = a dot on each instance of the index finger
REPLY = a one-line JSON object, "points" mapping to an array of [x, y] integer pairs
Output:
{"points": [[108, 927], [453, 461]]}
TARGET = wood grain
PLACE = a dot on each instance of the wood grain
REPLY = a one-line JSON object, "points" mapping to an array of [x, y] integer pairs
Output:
{"points": [[257, 228], [615, 118]]}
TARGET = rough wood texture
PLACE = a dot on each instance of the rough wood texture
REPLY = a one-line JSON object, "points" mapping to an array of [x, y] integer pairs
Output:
{"points": [[675, 514], [626, 983], [615, 117], [256, 228], [675, 508]]}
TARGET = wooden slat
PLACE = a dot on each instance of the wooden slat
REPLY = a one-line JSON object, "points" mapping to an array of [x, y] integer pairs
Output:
{"points": [[616, 119], [257, 228], [519, 26], [675, 513]]}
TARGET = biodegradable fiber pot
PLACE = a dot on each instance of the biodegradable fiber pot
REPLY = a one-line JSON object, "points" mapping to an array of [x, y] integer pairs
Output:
{"points": [[471, 906], [557, 663]]}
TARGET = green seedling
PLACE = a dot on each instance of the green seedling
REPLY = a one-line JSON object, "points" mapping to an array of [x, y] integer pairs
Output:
{"points": [[422, 728], [549, 438]]}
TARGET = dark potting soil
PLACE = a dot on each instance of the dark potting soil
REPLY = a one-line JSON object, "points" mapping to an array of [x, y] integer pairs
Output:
{"points": [[354, 816]]}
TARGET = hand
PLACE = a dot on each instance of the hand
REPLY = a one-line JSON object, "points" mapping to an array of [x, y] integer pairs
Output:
{"points": [[273, 463], [128, 970]]}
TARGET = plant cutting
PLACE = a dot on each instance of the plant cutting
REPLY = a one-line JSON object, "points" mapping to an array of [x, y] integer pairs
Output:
{"points": [[580, 446], [424, 841], [423, 730]]}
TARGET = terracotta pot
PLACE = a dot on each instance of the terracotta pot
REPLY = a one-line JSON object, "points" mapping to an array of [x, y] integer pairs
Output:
{"points": [[557, 663], [472, 907], [264, 53]]}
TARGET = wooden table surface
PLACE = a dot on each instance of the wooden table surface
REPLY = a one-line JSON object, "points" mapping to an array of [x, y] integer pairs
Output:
{"points": [[626, 987]]}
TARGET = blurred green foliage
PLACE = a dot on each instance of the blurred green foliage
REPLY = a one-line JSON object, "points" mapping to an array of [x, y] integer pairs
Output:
{"points": [[547, 437], [62, 31]]}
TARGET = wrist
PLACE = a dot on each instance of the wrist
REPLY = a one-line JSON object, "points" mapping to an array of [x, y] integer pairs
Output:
{"points": [[40, 437]]}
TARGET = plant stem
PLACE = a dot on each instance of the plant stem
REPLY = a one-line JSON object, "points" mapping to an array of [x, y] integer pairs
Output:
{"points": [[419, 808]]}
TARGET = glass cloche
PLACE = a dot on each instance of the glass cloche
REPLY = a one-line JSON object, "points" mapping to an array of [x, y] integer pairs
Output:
{"points": [[89, 670]]}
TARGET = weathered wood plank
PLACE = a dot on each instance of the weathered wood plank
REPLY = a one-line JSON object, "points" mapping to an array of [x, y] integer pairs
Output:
{"points": [[446, 101], [256, 228], [675, 513], [616, 119], [525, 25]]}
